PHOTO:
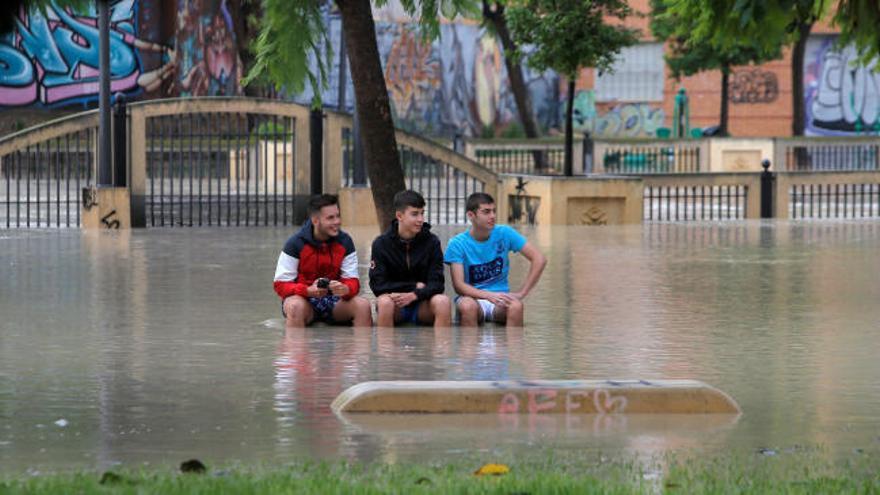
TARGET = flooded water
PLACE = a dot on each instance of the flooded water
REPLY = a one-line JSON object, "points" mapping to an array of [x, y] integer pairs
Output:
{"points": [[160, 345]]}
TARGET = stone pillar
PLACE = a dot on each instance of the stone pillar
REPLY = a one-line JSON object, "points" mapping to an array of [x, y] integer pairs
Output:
{"points": [[106, 208]]}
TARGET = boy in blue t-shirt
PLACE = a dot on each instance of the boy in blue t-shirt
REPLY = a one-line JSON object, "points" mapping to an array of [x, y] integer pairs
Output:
{"points": [[478, 263]]}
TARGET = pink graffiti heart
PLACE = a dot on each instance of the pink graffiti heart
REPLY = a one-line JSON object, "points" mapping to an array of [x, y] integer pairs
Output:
{"points": [[605, 403]]}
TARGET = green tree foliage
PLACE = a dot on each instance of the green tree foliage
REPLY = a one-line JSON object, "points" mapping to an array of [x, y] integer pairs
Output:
{"points": [[726, 23], [294, 31], [568, 35], [688, 53], [291, 32], [774, 22]]}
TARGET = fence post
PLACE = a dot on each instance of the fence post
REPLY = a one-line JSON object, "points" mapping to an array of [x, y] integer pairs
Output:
{"points": [[578, 158], [767, 179], [120, 136], [316, 142], [587, 153], [137, 178], [359, 169]]}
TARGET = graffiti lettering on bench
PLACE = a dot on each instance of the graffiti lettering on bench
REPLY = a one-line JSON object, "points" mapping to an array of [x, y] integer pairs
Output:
{"points": [[546, 399]]}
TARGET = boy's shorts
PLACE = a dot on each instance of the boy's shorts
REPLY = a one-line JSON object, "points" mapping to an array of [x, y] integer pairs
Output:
{"points": [[410, 313], [487, 308], [321, 306]]}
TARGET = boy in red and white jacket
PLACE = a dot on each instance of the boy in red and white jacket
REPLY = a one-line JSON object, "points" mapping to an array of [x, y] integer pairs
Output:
{"points": [[316, 276]]}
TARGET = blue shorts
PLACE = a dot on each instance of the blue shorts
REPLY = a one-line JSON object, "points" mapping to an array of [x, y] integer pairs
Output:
{"points": [[410, 313], [322, 307]]}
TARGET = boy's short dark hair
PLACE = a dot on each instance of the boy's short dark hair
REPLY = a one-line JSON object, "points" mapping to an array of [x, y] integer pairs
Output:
{"points": [[478, 198], [319, 201], [408, 198]]}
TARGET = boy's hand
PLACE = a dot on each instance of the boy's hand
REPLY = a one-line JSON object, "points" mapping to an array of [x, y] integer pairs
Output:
{"points": [[315, 291], [337, 288], [502, 299], [403, 299]]}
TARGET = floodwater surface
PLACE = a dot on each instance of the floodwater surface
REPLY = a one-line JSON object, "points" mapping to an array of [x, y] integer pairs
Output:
{"points": [[154, 346]]}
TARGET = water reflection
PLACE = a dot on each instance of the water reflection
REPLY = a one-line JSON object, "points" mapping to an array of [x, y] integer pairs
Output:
{"points": [[165, 344]]}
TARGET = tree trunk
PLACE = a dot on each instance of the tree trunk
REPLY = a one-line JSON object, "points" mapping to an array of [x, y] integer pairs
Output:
{"points": [[797, 79], [373, 107], [725, 101], [569, 132], [494, 12], [242, 10]]}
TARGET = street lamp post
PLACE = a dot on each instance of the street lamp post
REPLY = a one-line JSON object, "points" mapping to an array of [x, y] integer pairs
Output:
{"points": [[105, 172]]}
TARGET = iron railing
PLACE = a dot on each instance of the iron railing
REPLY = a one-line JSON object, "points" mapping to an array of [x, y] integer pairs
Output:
{"points": [[834, 201], [444, 178], [43, 170], [827, 154], [220, 169], [651, 157], [848, 194], [700, 197], [522, 161]]}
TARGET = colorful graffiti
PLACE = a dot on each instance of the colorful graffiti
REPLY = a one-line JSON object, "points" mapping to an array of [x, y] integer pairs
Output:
{"points": [[52, 59], [753, 86], [626, 120], [457, 84], [413, 74], [841, 97], [206, 56]]}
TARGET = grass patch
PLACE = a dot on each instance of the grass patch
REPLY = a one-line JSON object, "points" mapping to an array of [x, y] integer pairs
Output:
{"points": [[800, 472]]}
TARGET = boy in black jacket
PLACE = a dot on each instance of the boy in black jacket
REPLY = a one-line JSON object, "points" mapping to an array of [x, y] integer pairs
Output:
{"points": [[406, 269]]}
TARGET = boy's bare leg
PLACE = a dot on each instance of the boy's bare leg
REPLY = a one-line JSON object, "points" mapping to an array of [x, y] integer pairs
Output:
{"points": [[469, 309], [356, 309], [299, 312], [512, 314], [386, 311], [438, 310]]}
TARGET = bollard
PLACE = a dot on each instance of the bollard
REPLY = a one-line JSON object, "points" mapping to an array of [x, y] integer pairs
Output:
{"points": [[767, 182]]}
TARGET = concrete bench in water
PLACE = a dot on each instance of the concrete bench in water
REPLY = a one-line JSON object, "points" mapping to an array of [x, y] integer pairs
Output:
{"points": [[536, 396]]}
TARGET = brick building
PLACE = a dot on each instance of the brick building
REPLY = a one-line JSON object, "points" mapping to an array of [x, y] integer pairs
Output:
{"points": [[640, 95]]}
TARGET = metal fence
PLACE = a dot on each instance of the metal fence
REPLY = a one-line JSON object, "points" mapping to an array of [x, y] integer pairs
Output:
{"points": [[834, 201], [220, 169], [444, 185], [522, 161], [825, 154], [682, 203], [651, 158], [529, 156], [701, 197], [41, 178]]}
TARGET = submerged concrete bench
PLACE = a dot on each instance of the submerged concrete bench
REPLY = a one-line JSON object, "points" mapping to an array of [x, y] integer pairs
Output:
{"points": [[536, 396]]}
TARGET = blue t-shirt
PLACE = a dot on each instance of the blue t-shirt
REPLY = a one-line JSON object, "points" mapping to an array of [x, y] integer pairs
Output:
{"points": [[485, 263]]}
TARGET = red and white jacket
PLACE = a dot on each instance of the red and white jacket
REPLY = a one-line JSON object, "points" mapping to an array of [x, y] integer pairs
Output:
{"points": [[305, 259]]}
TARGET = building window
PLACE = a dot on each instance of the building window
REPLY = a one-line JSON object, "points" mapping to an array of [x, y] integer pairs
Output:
{"points": [[637, 75]]}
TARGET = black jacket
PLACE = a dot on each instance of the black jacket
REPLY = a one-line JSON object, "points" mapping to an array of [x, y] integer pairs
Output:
{"points": [[397, 265]]}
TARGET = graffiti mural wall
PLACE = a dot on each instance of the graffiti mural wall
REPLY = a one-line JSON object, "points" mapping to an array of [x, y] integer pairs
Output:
{"points": [[842, 98], [457, 84], [51, 59], [621, 121], [205, 51]]}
